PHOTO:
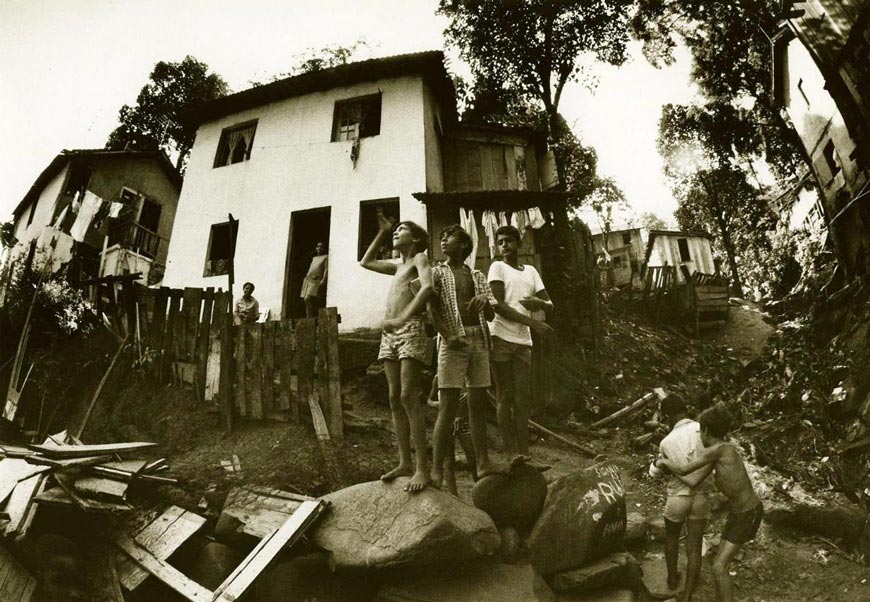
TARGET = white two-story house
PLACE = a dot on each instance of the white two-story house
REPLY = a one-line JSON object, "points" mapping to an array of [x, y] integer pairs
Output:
{"points": [[304, 160]]}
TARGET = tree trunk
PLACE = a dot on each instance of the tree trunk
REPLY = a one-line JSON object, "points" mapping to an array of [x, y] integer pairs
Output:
{"points": [[732, 257]]}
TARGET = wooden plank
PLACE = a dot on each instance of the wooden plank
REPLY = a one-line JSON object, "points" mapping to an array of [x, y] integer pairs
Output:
{"points": [[128, 302], [14, 451], [241, 338], [20, 501], [169, 334], [18, 583], [320, 368], [67, 462], [161, 538], [131, 466], [55, 496], [191, 309], [67, 483], [13, 470], [266, 551], [270, 332], [260, 510], [284, 363], [79, 451], [254, 370], [158, 320], [97, 487], [164, 571], [334, 413], [30, 514], [203, 339], [305, 333]]}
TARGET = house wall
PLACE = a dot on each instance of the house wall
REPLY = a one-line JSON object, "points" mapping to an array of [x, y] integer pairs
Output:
{"points": [[479, 160], [614, 241], [666, 251], [45, 205], [294, 166], [818, 122], [433, 133]]}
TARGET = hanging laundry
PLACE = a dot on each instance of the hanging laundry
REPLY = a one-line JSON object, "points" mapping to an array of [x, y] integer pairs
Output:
{"points": [[472, 231], [115, 209], [522, 219], [536, 218], [77, 202], [59, 220], [502, 219], [91, 203], [490, 225]]}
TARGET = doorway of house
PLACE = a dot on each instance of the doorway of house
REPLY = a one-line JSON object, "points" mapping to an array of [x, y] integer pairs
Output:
{"points": [[307, 228]]}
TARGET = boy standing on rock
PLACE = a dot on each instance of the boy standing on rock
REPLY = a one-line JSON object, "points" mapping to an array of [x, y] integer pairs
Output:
{"points": [[404, 344], [462, 306], [745, 509], [686, 504]]}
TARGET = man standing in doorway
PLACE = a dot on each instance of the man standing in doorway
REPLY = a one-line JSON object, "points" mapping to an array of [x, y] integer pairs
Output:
{"points": [[519, 291]]}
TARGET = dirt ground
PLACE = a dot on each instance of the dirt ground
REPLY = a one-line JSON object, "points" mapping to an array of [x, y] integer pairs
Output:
{"points": [[776, 567]]}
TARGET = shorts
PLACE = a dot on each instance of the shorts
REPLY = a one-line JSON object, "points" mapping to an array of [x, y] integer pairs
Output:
{"points": [[409, 341], [505, 351], [680, 508], [467, 367], [740, 527]]}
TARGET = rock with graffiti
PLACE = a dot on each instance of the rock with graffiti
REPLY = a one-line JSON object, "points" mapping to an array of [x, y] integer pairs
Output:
{"points": [[583, 519]]}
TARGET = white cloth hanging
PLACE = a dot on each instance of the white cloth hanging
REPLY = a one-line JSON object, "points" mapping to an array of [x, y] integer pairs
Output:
{"points": [[490, 225], [522, 219], [59, 221], [471, 228], [115, 209], [502, 219], [536, 218], [91, 203]]}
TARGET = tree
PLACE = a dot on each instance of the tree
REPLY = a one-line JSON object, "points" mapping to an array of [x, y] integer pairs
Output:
{"points": [[311, 60], [535, 47], [154, 123], [650, 221]]}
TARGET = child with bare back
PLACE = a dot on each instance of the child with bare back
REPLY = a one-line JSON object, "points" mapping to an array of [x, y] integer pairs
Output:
{"points": [[745, 510], [404, 344], [462, 305]]}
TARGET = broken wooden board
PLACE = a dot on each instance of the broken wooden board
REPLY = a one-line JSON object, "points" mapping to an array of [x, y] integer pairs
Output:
{"points": [[67, 462], [261, 510], [160, 537], [18, 585], [131, 466], [78, 451], [164, 571], [30, 514], [15, 451], [20, 501], [266, 551], [106, 489], [67, 483], [55, 496], [120, 475], [13, 470]]}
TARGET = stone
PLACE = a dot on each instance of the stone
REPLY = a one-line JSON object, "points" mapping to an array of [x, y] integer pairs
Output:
{"points": [[839, 520], [471, 582], [603, 595], [583, 519], [378, 524], [655, 576], [635, 528], [619, 568], [214, 563], [512, 500], [511, 545], [308, 579]]}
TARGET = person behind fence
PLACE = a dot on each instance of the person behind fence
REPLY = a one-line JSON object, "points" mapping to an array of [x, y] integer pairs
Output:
{"points": [[685, 505], [314, 285], [519, 291], [247, 308], [745, 509], [462, 305], [404, 342]]}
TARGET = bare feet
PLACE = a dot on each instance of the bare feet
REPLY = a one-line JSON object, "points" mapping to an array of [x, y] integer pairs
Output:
{"points": [[437, 479], [399, 471], [418, 482]]}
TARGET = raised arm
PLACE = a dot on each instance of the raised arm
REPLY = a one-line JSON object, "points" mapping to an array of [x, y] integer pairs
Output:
{"points": [[369, 261]]}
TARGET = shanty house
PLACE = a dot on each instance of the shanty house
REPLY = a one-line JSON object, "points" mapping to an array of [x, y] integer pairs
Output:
{"points": [[103, 212], [689, 249], [624, 252]]}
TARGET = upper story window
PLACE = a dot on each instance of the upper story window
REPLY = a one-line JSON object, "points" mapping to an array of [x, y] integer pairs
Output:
{"points": [[626, 238], [357, 118], [235, 144], [831, 159], [221, 248]]}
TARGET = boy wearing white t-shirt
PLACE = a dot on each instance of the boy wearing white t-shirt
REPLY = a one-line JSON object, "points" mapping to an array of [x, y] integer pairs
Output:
{"points": [[519, 292]]}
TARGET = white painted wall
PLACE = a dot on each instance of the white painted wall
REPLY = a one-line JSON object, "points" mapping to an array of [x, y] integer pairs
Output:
{"points": [[294, 166], [119, 261], [666, 251], [45, 204]]}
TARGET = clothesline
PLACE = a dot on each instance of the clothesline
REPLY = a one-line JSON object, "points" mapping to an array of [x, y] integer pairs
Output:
{"points": [[491, 221]]}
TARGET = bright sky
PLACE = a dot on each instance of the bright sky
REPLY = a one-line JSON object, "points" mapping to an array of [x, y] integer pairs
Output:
{"points": [[67, 67]]}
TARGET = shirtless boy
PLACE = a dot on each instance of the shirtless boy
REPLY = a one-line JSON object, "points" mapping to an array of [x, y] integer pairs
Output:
{"points": [[404, 344], [462, 305], [744, 508]]}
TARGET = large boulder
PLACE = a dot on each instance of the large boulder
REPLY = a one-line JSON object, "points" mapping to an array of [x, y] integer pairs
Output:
{"points": [[472, 582], [308, 578], [512, 500], [583, 519], [379, 524]]}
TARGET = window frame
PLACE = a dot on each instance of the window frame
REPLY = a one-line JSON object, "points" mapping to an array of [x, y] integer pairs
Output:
{"points": [[341, 105], [687, 256], [220, 266], [388, 203], [222, 159]]}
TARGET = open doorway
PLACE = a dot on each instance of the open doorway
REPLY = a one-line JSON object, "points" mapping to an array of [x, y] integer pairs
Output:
{"points": [[307, 228]]}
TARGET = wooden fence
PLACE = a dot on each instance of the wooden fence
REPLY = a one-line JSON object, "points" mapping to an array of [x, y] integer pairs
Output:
{"points": [[268, 369]]}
